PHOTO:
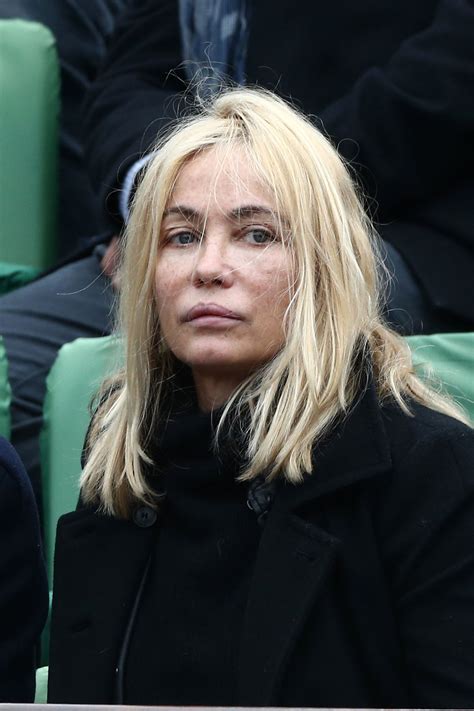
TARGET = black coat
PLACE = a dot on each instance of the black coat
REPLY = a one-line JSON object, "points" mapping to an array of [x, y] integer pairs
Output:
{"points": [[23, 585], [391, 82], [363, 589]]}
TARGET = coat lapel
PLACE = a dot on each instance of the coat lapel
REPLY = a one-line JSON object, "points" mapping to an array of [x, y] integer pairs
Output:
{"points": [[296, 556], [293, 561]]}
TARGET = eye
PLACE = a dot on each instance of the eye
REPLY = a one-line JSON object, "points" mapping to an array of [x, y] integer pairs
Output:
{"points": [[259, 235], [182, 239]]}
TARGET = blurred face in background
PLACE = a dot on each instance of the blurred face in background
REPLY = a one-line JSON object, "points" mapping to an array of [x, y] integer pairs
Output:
{"points": [[224, 274]]}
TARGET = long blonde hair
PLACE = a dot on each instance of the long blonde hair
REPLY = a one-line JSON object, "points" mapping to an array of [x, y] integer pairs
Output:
{"points": [[335, 332]]}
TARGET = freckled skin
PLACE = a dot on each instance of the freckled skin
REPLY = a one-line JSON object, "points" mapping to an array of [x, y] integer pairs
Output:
{"points": [[220, 245]]}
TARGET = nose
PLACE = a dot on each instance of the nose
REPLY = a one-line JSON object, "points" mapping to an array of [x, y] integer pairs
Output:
{"points": [[212, 267]]}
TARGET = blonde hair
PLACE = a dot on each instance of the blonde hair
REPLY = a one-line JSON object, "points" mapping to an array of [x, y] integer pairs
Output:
{"points": [[335, 332]]}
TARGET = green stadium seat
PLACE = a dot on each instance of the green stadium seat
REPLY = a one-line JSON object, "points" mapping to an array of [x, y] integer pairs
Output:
{"points": [[74, 378], [29, 109], [13, 276], [41, 694], [450, 358]]}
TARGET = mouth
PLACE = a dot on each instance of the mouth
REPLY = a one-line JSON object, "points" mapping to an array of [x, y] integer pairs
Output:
{"points": [[211, 315]]}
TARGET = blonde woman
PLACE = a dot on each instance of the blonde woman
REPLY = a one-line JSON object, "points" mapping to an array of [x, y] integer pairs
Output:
{"points": [[274, 509]]}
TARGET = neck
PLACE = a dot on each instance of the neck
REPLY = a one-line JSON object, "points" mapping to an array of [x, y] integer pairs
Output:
{"points": [[214, 390]]}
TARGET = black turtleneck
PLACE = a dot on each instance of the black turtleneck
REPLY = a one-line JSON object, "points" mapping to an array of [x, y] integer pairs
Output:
{"points": [[186, 638]]}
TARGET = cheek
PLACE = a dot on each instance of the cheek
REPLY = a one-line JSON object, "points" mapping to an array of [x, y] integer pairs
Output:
{"points": [[274, 290], [269, 307], [165, 291], [172, 275]]}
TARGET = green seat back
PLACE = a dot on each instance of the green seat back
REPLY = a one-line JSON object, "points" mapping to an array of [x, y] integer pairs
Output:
{"points": [[5, 394], [451, 357], [41, 693], [29, 108], [13, 276], [72, 382]]}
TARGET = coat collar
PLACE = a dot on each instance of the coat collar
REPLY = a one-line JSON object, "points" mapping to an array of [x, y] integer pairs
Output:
{"points": [[355, 449]]}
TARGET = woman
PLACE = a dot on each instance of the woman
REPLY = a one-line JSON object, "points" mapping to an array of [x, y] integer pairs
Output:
{"points": [[274, 509]]}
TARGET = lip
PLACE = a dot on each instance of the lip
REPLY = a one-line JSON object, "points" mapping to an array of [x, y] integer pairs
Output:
{"points": [[210, 311]]}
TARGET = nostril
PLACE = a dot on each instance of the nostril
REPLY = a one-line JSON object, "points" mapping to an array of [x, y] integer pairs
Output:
{"points": [[217, 279]]}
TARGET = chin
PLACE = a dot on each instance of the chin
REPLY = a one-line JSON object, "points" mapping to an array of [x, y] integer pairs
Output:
{"points": [[208, 351], [214, 361]]}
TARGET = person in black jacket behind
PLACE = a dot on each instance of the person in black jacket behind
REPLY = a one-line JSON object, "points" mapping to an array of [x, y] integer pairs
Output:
{"points": [[23, 584], [274, 509], [390, 83]]}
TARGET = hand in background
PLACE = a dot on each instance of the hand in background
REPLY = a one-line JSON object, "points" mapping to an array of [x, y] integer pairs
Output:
{"points": [[110, 262]]}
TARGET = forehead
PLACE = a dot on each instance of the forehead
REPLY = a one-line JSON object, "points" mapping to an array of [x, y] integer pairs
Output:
{"points": [[228, 180]]}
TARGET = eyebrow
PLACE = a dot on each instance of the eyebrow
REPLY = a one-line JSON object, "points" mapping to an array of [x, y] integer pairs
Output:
{"points": [[239, 213], [183, 211], [246, 211]]}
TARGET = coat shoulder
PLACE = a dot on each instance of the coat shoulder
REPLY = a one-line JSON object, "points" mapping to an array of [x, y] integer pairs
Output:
{"points": [[428, 495], [427, 440], [422, 517]]}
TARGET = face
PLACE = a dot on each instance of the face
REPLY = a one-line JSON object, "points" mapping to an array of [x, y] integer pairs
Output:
{"points": [[223, 273]]}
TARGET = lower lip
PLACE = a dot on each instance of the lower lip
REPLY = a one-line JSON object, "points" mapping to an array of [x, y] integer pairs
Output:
{"points": [[214, 322]]}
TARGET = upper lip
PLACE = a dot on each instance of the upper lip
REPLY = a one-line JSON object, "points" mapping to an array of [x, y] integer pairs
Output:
{"points": [[201, 310]]}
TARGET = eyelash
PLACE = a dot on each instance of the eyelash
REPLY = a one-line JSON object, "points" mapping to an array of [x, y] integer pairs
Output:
{"points": [[269, 234]]}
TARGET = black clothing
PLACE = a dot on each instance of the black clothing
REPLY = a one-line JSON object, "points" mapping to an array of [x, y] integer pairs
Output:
{"points": [[391, 83], [192, 610], [363, 588], [23, 584]]}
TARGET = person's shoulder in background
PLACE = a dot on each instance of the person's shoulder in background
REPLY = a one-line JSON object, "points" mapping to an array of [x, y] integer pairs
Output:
{"points": [[23, 583]]}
